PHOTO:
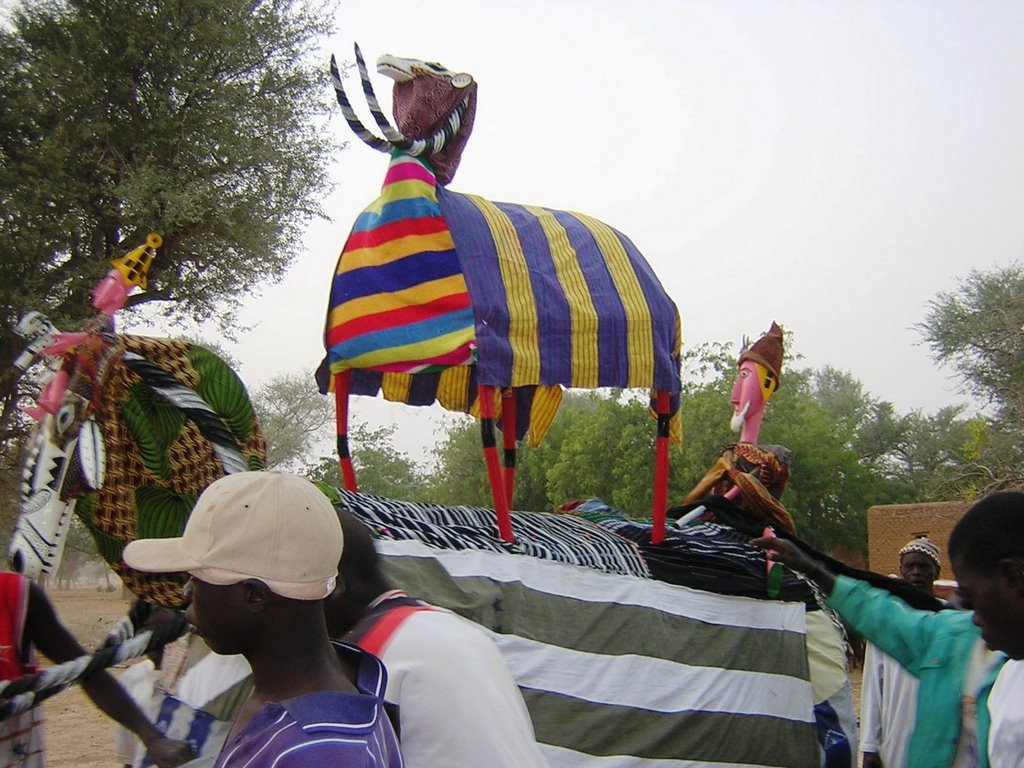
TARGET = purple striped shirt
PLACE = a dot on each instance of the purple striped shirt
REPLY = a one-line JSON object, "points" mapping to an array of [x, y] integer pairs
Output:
{"points": [[322, 730]]}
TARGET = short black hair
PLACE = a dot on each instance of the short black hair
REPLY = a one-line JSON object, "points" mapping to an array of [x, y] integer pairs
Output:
{"points": [[359, 558], [990, 531]]}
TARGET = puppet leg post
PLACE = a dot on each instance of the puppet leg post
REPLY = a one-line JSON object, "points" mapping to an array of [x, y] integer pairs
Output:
{"points": [[486, 395]]}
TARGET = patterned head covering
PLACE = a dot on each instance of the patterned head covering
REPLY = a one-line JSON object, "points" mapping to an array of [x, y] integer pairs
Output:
{"points": [[926, 547], [767, 350]]}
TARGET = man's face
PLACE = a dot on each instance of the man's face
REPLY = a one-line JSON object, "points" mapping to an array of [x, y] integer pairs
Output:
{"points": [[997, 600], [217, 613], [918, 569]]}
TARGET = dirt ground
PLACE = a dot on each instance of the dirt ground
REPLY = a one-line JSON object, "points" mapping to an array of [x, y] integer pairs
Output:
{"points": [[78, 735]]}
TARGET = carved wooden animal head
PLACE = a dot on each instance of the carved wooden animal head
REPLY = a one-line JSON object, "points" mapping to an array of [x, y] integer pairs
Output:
{"points": [[142, 427], [434, 109]]}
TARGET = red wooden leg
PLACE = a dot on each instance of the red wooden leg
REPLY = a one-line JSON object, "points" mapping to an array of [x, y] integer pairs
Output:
{"points": [[501, 507], [508, 437], [660, 470], [342, 385]]}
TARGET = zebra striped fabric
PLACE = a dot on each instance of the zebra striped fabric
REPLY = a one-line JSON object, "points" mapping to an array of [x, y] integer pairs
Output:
{"points": [[564, 539], [618, 670]]}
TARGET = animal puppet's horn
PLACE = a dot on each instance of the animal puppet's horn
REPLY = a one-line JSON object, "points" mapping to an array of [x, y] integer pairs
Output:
{"points": [[381, 145], [416, 147], [390, 133]]}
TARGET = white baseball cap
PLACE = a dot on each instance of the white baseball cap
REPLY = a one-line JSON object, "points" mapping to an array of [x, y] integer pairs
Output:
{"points": [[272, 526]]}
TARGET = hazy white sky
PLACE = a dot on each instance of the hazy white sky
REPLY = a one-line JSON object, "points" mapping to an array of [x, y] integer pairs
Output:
{"points": [[829, 165]]}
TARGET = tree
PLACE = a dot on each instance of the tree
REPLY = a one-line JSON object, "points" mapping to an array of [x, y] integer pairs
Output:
{"points": [[460, 476], [607, 452], [381, 470], [978, 330], [197, 120], [829, 488], [295, 418]]}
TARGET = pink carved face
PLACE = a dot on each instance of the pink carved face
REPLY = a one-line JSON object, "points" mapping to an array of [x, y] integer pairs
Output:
{"points": [[746, 392], [754, 387]]}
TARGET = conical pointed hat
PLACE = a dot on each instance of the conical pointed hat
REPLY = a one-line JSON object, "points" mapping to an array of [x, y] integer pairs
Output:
{"points": [[767, 351]]}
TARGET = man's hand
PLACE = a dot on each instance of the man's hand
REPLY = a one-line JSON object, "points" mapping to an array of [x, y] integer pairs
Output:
{"points": [[785, 552], [791, 556], [169, 753], [872, 760]]}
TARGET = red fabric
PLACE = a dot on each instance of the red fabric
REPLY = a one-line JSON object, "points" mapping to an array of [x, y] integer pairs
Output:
{"points": [[377, 637], [13, 604], [385, 233]]}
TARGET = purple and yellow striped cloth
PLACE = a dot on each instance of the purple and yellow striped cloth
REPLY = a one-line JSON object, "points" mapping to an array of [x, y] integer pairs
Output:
{"points": [[544, 299]]}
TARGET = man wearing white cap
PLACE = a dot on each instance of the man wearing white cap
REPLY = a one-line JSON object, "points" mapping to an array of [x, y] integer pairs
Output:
{"points": [[888, 703], [262, 549]]}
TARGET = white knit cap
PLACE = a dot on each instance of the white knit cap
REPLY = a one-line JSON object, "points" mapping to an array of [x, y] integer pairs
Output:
{"points": [[926, 547]]}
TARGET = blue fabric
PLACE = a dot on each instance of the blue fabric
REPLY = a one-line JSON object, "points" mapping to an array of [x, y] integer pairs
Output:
{"points": [[321, 730], [839, 753], [174, 716]]}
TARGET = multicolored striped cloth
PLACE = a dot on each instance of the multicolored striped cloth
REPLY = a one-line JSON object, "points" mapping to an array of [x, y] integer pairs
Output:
{"points": [[398, 300], [546, 299], [561, 298]]}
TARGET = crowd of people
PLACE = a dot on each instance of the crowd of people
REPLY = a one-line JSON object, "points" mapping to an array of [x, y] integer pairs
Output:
{"points": [[306, 655]]}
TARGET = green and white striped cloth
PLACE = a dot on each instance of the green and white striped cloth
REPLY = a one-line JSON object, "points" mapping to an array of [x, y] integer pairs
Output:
{"points": [[622, 671]]}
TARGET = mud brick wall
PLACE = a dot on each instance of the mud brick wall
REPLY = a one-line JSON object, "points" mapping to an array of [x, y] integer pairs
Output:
{"points": [[891, 526]]}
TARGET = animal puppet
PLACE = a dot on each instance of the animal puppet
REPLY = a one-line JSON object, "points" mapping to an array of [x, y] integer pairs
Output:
{"points": [[130, 430], [486, 308]]}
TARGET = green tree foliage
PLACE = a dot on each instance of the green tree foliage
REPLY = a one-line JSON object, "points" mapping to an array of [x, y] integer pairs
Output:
{"points": [[978, 331], [296, 419], [607, 451], [818, 416], [198, 120], [381, 470], [460, 476]]}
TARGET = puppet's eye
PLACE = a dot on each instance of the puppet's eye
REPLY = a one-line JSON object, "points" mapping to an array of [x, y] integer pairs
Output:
{"points": [[65, 418]]}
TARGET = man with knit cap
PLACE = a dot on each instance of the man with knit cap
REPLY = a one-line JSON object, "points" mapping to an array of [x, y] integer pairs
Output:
{"points": [[262, 550], [888, 702]]}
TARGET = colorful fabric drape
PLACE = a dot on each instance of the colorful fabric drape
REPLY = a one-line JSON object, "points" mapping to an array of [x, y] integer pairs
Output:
{"points": [[538, 299], [398, 300], [561, 298]]}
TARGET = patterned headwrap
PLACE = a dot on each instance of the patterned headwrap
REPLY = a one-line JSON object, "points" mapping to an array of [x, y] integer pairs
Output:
{"points": [[926, 547]]}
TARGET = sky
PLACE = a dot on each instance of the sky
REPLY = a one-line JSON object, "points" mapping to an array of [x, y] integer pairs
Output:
{"points": [[830, 165]]}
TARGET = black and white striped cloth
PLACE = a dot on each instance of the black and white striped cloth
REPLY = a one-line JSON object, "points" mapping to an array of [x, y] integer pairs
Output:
{"points": [[564, 538]]}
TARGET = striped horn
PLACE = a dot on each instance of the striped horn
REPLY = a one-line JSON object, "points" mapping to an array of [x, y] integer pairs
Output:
{"points": [[413, 147], [390, 133], [381, 145], [416, 147]]}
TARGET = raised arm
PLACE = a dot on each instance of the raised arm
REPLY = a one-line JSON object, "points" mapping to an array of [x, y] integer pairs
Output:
{"points": [[881, 617], [54, 640]]}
